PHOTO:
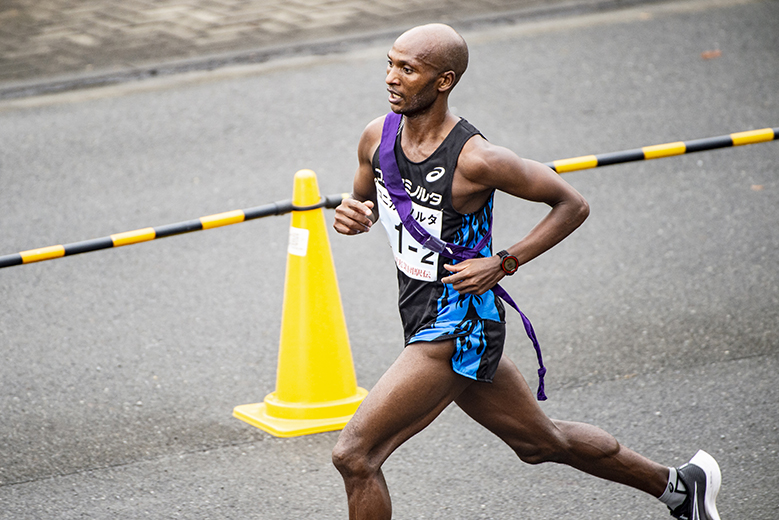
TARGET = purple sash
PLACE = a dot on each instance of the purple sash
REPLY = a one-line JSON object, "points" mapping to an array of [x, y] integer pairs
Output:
{"points": [[394, 184]]}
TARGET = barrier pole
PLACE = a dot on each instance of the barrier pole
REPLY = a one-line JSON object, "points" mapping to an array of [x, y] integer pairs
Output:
{"points": [[146, 234], [658, 151], [583, 162]]}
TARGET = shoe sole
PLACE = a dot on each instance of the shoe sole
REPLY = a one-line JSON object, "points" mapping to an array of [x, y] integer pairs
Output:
{"points": [[713, 481]]}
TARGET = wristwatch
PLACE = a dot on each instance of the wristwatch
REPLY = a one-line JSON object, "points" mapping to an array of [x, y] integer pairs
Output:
{"points": [[508, 263]]}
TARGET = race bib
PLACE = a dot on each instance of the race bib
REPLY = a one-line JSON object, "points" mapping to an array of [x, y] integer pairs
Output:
{"points": [[410, 257]]}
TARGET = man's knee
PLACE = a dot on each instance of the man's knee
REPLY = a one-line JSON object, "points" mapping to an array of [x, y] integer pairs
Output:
{"points": [[537, 453], [349, 460], [547, 446], [568, 440]]}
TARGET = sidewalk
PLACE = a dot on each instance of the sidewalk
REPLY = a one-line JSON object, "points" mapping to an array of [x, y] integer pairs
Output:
{"points": [[54, 45]]}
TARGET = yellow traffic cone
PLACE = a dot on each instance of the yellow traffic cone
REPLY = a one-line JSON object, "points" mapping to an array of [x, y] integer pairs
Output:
{"points": [[316, 388]]}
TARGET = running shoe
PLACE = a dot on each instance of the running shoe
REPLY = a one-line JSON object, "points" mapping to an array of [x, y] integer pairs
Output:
{"points": [[702, 478]]}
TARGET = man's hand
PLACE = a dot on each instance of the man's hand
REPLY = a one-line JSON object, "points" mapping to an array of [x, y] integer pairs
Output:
{"points": [[474, 276], [353, 217]]}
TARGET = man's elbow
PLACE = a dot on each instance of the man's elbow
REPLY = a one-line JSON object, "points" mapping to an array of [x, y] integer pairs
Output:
{"points": [[581, 210], [584, 209]]}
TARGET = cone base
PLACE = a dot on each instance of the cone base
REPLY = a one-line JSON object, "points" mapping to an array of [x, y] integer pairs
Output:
{"points": [[256, 415]]}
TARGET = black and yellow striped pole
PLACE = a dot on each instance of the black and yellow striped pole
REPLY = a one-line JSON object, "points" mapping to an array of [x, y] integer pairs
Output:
{"points": [[151, 233], [664, 150], [331, 201]]}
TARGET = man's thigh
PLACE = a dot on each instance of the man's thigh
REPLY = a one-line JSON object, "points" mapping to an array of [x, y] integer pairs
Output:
{"points": [[508, 408], [416, 388]]}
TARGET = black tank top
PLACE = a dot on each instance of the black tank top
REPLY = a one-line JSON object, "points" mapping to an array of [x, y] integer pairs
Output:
{"points": [[422, 296]]}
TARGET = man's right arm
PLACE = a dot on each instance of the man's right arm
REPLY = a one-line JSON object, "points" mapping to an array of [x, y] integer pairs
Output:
{"points": [[356, 214]]}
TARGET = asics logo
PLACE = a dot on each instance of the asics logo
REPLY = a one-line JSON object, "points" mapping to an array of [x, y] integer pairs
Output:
{"points": [[436, 174], [695, 514]]}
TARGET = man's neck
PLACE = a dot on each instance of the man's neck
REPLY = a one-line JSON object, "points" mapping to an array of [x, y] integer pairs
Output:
{"points": [[423, 133]]}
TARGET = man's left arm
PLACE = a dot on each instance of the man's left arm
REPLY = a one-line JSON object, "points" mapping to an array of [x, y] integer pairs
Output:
{"points": [[484, 167]]}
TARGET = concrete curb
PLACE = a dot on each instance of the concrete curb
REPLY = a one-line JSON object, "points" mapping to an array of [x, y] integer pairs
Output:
{"points": [[317, 46]]}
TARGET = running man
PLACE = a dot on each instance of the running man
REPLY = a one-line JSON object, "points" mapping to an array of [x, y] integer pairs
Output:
{"points": [[452, 317]]}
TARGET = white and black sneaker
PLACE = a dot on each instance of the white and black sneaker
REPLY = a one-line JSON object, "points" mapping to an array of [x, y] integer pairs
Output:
{"points": [[702, 478]]}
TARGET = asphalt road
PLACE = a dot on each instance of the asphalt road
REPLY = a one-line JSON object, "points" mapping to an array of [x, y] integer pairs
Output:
{"points": [[658, 318]]}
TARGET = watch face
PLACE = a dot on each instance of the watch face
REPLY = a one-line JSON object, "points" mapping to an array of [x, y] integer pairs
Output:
{"points": [[510, 264]]}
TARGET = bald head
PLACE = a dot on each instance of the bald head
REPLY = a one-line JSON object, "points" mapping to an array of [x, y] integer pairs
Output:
{"points": [[437, 45]]}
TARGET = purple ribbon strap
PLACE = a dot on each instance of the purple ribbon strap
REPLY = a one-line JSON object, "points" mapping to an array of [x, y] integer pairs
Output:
{"points": [[394, 184]]}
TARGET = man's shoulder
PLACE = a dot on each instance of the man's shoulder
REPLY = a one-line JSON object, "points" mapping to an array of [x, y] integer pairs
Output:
{"points": [[371, 137], [372, 132], [480, 157], [374, 128], [478, 152]]}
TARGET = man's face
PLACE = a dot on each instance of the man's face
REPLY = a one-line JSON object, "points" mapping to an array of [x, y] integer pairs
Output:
{"points": [[411, 80]]}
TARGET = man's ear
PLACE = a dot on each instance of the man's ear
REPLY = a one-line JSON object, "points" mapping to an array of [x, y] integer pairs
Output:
{"points": [[446, 80]]}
